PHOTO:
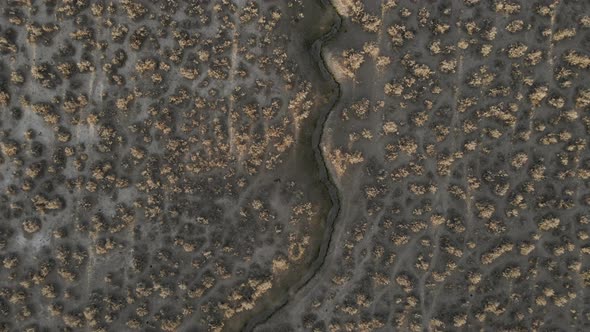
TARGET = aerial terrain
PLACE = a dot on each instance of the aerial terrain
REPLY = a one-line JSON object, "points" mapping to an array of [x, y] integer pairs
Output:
{"points": [[294, 165]]}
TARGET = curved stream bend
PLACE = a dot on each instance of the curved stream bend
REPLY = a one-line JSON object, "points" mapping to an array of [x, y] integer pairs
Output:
{"points": [[316, 50]]}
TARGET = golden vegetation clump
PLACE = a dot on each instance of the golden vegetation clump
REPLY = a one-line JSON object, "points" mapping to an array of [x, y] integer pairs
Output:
{"points": [[576, 59], [342, 160], [355, 11], [349, 63]]}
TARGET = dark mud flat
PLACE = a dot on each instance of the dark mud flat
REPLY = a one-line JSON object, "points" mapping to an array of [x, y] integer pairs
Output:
{"points": [[334, 165], [325, 178]]}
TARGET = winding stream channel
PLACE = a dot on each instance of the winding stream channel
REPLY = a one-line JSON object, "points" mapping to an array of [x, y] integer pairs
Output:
{"points": [[325, 177]]}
